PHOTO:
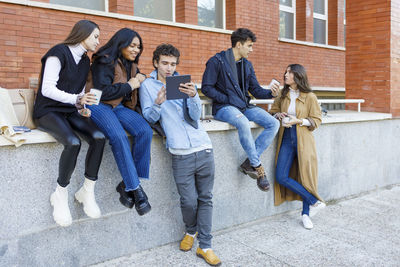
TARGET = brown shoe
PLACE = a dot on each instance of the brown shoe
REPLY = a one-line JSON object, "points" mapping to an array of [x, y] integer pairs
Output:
{"points": [[262, 181], [209, 257], [246, 168], [187, 242]]}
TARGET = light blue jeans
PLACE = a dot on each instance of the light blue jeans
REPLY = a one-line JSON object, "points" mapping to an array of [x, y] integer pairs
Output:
{"points": [[235, 117]]}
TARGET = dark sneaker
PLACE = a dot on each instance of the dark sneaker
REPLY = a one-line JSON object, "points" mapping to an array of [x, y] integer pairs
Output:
{"points": [[246, 168], [262, 181]]}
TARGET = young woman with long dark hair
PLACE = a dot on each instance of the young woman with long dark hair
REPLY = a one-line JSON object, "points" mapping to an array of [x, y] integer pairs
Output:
{"points": [[59, 111], [298, 110], [115, 72]]}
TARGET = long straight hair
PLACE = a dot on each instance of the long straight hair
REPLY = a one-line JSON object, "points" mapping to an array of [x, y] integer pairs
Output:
{"points": [[81, 30], [300, 78], [111, 51]]}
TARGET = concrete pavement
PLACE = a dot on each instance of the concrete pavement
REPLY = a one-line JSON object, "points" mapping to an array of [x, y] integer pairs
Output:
{"points": [[363, 231]]}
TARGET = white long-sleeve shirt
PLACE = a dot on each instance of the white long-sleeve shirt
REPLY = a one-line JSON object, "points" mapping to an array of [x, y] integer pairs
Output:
{"points": [[51, 73], [294, 94]]}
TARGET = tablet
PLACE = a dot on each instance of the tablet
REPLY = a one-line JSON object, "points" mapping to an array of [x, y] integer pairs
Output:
{"points": [[173, 83]]}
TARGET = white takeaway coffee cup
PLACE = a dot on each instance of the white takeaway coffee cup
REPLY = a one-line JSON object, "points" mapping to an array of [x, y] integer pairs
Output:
{"points": [[273, 81], [97, 93]]}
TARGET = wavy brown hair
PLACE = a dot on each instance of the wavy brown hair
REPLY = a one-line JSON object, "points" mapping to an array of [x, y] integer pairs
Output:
{"points": [[81, 30], [300, 78]]}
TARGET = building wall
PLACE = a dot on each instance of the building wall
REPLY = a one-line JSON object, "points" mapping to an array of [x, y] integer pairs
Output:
{"points": [[373, 54], [27, 32], [368, 55]]}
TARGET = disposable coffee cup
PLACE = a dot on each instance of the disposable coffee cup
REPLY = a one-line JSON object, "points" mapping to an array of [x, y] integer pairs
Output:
{"points": [[285, 120], [97, 93], [273, 81]]}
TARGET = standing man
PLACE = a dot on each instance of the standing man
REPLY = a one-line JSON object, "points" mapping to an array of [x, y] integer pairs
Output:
{"points": [[228, 78], [190, 146]]}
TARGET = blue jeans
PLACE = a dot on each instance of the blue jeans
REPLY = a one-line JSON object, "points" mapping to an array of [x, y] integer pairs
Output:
{"points": [[287, 153], [235, 117], [132, 162]]}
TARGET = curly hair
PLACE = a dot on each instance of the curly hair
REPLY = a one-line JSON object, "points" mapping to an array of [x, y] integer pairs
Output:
{"points": [[165, 50]]}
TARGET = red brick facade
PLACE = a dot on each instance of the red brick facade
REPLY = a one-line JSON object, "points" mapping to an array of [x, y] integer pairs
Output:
{"points": [[121, 6], [186, 11], [304, 20], [373, 54], [27, 32]]}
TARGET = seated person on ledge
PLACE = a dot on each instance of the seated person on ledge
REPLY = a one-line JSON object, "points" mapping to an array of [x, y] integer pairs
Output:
{"points": [[228, 78]]}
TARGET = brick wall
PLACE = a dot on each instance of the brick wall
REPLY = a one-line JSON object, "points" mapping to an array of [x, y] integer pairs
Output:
{"points": [[335, 22], [372, 65], [26, 33], [186, 11], [304, 20], [121, 6]]}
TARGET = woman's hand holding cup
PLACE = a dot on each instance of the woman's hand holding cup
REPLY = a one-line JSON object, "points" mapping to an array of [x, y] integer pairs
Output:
{"points": [[89, 99]]}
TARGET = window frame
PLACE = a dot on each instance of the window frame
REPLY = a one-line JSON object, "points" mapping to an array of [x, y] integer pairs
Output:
{"points": [[322, 17], [173, 19], [223, 16], [292, 10], [106, 7]]}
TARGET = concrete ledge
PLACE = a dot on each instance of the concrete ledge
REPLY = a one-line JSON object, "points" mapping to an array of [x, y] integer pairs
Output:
{"points": [[351, 162], [211, 125]]}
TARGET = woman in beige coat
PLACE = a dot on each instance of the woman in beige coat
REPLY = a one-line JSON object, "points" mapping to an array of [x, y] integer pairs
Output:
{"points": [[298, 110]]}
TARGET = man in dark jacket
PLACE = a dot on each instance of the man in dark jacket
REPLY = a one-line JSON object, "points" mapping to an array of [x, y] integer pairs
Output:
{"points": [[228, 78]]}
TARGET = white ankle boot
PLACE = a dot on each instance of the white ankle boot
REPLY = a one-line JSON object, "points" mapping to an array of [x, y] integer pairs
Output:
{"points": [[59, 201], [85, 195]]}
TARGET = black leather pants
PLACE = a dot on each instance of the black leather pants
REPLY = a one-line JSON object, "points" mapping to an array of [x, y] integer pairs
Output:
{"points": [[65, 128]]}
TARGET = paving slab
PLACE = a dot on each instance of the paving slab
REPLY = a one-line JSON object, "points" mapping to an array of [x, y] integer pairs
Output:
{"points": [[362, 231]]}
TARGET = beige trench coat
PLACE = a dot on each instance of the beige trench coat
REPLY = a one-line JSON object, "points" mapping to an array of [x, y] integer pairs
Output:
{"points": [[305, 169]]}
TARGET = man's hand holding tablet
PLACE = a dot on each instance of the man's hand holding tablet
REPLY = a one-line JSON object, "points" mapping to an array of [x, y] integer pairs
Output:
{"points": [[179, 87]]}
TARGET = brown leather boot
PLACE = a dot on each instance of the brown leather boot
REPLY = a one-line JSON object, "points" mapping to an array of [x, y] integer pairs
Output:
{"points": [[246, 168], [262, 181]]}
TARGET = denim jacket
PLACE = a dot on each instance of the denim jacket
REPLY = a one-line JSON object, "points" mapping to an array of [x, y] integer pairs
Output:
{"points": [[180, 134], [220, 83]]}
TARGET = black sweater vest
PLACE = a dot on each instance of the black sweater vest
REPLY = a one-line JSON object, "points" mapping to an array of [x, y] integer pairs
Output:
{"points": [[72, 79]]}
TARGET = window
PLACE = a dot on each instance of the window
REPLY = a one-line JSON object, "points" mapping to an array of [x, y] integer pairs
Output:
{"points": [[88, 4], [155, 9], [211, 13], [287, 19], [320, 21]]}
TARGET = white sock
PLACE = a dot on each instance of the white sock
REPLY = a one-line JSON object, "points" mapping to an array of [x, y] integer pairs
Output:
{"points": [[194, 235], [205, 249]]}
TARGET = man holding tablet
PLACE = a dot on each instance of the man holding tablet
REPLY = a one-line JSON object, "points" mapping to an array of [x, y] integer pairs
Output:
{"points": [[189, 144], [227, 80]]}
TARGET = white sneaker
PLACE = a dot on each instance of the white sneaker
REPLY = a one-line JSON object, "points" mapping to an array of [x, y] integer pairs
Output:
{"points": [[59, 201], [314, 209], [307, 223], [85, 195]]}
